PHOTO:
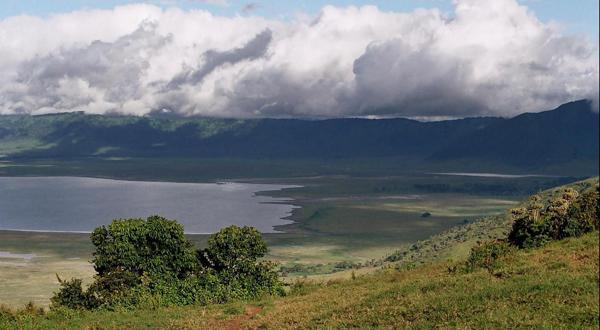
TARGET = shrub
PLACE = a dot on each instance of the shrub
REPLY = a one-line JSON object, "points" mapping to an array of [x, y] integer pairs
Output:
{"points": [[233, 254], [486, 255], [233, 248], [113, 286], [155, 246], [528, 232], [571, 214], [151, 263], [72, 295], [582, 216]]}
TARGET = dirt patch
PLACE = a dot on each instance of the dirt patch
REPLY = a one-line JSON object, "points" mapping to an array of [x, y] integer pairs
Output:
{"points": [[239, 321]]}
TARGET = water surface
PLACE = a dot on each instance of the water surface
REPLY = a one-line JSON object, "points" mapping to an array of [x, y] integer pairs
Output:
{"points": [[73, 204], [494, 175]]}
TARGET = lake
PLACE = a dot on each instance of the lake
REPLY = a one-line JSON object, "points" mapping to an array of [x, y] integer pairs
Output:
{"points": [[73, 204], [496, 175]]}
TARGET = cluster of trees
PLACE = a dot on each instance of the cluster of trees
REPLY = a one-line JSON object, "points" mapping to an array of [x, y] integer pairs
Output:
{"points": [[150, 261], [570, 214]]}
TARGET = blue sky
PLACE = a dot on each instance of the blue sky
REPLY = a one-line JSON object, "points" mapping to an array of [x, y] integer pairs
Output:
{"points": [[577, 16]]}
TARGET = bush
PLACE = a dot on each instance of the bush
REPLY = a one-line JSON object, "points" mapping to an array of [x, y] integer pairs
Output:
{"points": [[233, 254], [155, 246], [571, 214], [151, 263], [72, 295], [486, 255], [233, 248], [113, 286], [582, 216]]}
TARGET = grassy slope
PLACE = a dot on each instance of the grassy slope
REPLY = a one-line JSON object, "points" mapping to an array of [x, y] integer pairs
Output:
{"points": [[455, 243], [554, 286], [549, 287]]}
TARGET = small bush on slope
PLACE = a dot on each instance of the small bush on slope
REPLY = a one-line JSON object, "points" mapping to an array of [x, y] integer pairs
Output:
{"points": [[486, 255]]}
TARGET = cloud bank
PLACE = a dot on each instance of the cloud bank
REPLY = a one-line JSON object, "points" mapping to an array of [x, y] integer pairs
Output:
{"points": [[491, 57]]}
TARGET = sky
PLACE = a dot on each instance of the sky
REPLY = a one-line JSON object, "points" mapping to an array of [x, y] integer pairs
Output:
{"points": [[336, 58], [577, 16]]}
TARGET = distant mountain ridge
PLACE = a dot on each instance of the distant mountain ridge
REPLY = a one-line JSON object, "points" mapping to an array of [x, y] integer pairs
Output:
{"points": [[566, 134]]}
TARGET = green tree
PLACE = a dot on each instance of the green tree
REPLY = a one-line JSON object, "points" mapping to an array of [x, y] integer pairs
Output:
{"points": [[234, 254], [233, 248], [140, 260], [155, 247]]}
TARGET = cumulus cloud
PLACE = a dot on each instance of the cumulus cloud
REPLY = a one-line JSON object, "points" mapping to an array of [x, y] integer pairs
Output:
{"points": [[491, 57]]}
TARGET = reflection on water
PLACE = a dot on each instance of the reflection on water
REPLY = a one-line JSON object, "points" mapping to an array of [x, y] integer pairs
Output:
{"points": [[494, 175]]}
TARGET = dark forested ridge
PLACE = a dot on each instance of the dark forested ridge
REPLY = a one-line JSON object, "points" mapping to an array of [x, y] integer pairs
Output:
{"points": [[566, 134]]}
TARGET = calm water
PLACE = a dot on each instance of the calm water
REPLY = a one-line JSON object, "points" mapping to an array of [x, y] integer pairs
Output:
{"points": [[495, 175], [82, 204]]}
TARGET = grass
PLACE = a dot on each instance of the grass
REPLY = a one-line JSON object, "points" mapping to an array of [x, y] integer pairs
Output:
{"points": [[551, 287], [34, 278]]}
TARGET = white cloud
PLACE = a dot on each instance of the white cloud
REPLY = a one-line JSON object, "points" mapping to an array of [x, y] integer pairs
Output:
{"points": [[493, 57]]}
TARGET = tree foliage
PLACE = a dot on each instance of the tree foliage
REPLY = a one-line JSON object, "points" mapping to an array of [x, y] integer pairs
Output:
{"points": [[154, 246], [234, 248], [72, 295], [142, 260]]}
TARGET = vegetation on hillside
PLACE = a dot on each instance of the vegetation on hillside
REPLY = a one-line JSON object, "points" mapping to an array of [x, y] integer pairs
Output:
{"points": [[554, 286], [570, 214], [151, 262], [456, 243]]}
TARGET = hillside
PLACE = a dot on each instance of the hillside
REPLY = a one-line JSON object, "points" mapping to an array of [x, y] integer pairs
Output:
{"points": [[551, 287], [77, 134], [518, 143], [568, 133], [455, 243]]}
